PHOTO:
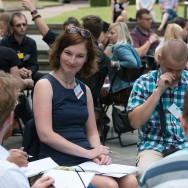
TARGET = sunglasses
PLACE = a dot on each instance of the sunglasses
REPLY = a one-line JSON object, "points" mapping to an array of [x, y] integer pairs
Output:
{"points": [[84, 33], [22, 24]]}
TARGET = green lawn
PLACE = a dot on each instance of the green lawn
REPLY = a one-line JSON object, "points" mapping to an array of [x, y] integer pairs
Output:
{"points": [[103, 12], [48, 3]]}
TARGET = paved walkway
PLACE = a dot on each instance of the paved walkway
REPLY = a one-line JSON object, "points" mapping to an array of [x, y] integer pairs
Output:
{"points": [[48, 12]]}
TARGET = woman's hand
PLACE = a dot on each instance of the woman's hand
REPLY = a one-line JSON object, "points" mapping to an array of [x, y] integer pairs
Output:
{"points": [[103, 160], [18, 157], [97, 151]]}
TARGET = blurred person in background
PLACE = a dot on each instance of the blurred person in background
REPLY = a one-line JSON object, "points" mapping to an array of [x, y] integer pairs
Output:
{"points": [[119, 10], [147, 4]]}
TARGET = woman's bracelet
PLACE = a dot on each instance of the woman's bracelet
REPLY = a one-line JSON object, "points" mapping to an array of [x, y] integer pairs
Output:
{"points": [[35, 17]]}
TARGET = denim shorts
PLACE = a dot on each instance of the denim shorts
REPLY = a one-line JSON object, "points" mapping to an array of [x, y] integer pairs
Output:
{"points": [[172, 14]]}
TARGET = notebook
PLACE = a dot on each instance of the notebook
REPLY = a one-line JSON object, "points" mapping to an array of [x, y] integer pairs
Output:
{"points": [[39, 166], [113, 170], [69, 179]]}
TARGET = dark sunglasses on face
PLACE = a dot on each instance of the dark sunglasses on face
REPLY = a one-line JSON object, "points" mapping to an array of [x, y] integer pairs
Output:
{"points": [[22, 24], [84, 33]]}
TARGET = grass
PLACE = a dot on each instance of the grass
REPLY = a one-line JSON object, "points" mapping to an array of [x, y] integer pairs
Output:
{"points": [[48, 3], [103, 12]]}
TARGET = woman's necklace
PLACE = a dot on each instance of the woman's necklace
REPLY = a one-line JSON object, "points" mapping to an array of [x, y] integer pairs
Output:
{"points": [[67, 83]]}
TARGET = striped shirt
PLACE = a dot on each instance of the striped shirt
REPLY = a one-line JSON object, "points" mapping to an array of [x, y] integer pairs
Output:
{"points": [[172, 171], [149, 133]]}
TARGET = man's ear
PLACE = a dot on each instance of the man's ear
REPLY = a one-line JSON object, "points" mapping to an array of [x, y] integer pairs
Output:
{"points": [[10, 119], [138, 20], [8, 126], [159, 57], [183, 123]]}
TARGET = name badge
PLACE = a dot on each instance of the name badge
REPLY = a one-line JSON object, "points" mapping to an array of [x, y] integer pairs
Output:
{"points": [[20, 55], [78, 91], [26, 57], [175, 111]]}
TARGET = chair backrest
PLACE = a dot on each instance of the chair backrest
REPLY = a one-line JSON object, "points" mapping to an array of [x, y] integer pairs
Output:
{"points": [[150, 63], [120, 118], [127, 75], [95, 83], [31, 142]]}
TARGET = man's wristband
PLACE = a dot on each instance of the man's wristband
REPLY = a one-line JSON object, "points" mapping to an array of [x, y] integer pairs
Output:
{"points": [[34, 12], [35, 17]]}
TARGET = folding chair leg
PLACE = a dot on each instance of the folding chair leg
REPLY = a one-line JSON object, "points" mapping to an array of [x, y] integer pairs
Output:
{"points": [[20, 125], [102, 134]]}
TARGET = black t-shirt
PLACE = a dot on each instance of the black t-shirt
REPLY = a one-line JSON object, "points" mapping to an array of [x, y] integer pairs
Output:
{"points": [[8, 59], [50, 37], [26, 51]]}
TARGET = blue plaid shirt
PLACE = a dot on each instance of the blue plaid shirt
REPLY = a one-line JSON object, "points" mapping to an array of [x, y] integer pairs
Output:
{"points": [[149, 133]]}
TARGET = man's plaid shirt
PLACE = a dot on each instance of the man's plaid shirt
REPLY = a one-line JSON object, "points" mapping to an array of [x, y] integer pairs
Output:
{"points": [[149, 133]]}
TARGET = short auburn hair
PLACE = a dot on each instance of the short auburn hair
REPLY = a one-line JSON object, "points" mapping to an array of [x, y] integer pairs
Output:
{"points": [[65, 40]]}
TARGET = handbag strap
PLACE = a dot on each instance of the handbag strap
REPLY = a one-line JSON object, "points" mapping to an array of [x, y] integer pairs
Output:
{"points": [[162, 118], [163, 122]]}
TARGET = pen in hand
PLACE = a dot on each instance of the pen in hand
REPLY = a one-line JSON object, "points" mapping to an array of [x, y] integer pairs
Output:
{"points": [[28, 156]]}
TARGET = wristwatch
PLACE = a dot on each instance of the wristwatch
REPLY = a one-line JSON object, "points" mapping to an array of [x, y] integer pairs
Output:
{"points": [[34, 12]]}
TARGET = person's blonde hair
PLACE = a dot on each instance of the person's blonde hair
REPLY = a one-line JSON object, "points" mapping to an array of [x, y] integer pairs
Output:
{"points": [[5, 19], [122, 32], [8, 96], [173, 31]]}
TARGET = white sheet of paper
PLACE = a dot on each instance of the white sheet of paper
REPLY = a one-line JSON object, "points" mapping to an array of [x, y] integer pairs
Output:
{"points": [[114, 170], [175, 111], [36, 167], [69, 179]]}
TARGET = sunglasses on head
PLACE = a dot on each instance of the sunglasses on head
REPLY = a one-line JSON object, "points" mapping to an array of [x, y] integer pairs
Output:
{"points": [[22, 24], [84, 33]]}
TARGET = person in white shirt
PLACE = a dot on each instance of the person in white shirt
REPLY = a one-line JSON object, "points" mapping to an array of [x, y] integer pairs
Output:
{"points": [[10, 174], [147, 4]]}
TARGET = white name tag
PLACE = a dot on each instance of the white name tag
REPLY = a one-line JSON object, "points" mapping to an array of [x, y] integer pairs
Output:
{"points": [[175, 111], [78, 91]]}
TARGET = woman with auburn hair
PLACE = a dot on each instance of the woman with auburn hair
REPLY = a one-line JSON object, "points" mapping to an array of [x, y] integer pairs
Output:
{"points": [[64, 112]]}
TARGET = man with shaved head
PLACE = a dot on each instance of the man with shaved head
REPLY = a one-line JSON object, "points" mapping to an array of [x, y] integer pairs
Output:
{"points": [[160, 92]]}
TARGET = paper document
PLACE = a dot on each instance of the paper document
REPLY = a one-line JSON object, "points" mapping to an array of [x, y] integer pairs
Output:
{"points": [[36, 167], [69, 179], [114, 170]]}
